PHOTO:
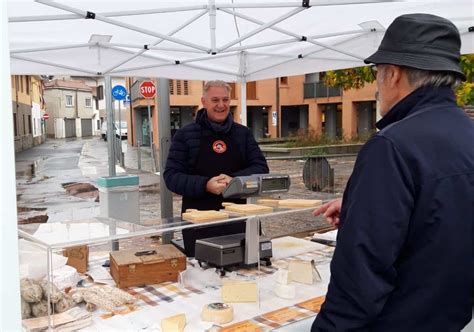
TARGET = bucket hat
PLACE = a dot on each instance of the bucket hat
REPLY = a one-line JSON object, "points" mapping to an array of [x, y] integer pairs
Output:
{"points": [[421, 41]]}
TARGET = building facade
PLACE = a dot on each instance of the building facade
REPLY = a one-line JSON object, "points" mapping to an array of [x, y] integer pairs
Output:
{"points": [[280, 107], [69, 105], [28, 110]]}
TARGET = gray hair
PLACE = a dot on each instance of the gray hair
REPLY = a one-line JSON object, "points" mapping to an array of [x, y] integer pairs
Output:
{"points": [[419, 78], [216, 83]]}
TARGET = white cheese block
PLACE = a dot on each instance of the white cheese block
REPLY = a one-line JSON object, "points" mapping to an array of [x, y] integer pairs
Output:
{"points": [[285, 291], [283, 276], [239, 291], [219, 313], [301, 271], [173, 323]]}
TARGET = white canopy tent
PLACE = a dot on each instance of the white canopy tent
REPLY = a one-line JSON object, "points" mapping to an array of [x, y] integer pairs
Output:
{"points": [[233, 40]]}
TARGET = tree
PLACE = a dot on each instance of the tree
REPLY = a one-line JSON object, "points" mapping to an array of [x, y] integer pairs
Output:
{"points": [[356, 78]]}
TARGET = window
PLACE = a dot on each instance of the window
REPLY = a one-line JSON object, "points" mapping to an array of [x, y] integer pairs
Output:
{"points": [[100, 92], [15, 123], [171, 87], [21, 83], [30, 130], [284, 80], [69, 101], [252, 90], [186, 87], [27, 84], [233, 87], [88, 102], [178, 87]]}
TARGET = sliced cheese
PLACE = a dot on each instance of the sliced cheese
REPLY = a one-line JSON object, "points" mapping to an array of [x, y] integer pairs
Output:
{"points": [[268, 202], [197, 216], [173, 323], [301, 271], [219, 313], [283, 276], [285, 291], [239, 291], [249, 208], [299, 203]]}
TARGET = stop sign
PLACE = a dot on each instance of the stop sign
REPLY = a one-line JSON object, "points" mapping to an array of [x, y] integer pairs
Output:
{"points": [[46, 116], [147, 89]]}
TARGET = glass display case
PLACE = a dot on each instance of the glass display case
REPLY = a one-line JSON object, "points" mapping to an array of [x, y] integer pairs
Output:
{"points": [[87, 295]]}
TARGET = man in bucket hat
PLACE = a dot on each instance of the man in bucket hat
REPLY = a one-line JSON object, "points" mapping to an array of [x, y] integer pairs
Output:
{"points": [[404, 259]]}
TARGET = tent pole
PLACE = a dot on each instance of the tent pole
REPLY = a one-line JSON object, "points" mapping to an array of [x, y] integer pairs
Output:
{"points": [[182, 26], [212, 25], [121, 24], [110, 124], [10, 317], [262, 27], [106, 14], [243, 101], [164, 131]]}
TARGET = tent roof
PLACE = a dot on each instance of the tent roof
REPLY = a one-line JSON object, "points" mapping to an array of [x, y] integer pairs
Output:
{"points": [[227, 39]]}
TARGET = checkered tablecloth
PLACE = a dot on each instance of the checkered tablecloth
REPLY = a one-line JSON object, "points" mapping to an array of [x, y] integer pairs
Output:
{"points": [[167, 292]]}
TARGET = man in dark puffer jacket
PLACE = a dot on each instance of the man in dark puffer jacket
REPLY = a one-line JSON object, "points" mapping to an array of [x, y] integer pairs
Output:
{"points": [[205, 155]]}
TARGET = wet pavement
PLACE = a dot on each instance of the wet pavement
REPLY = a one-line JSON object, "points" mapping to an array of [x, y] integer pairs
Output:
{"points": [[59, 179]]}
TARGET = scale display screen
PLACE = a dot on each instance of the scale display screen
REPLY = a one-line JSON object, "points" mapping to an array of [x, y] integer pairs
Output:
{"points": [[274, 184]]}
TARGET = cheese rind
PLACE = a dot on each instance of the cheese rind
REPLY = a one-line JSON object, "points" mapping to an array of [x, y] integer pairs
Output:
{"points": [[173, 323], [219, 313], [239, 291]]}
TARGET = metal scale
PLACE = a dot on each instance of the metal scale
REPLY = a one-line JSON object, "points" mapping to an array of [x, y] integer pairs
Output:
{"points": [[242, 248]]}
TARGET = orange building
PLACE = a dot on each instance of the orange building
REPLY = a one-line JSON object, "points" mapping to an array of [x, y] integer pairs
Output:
{"points": [[281, 107]]}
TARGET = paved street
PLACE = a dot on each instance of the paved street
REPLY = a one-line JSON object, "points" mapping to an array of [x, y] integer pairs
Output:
{"points": [[45, 171]]}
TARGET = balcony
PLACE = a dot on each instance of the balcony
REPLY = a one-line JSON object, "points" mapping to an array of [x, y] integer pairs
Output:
{"points": [[320, 90]]}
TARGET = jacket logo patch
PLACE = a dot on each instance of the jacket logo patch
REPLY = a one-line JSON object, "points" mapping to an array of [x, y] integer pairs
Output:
{"points": [[219, 146]]}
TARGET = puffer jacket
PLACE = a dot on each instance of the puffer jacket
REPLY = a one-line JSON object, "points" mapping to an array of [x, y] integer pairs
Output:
{"points": [[179, 171], [404, 259]]}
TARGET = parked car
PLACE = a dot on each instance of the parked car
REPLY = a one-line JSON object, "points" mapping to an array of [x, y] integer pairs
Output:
{"points": [[123, 130]]}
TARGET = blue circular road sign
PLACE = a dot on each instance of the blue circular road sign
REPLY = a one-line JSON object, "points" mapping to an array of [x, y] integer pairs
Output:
{"points": [[119, 92]]}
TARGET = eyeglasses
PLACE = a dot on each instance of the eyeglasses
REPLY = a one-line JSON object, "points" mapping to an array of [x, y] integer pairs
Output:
{"points": [[373, 70]]}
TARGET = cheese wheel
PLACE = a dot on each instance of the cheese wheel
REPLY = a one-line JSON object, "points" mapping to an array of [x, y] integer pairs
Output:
{"points": [[219, 313]]}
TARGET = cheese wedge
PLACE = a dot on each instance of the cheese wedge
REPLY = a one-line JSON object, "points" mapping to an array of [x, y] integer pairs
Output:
{"points": [[173, 323], [301, 271], [239, 291]]}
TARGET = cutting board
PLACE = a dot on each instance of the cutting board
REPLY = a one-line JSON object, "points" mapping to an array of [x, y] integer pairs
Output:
{"points": [[299, 203], [248, 209], [198, 216]]}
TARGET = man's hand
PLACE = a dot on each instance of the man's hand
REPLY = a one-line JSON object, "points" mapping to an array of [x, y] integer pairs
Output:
{"points": [[217, 184], [331, 210]]}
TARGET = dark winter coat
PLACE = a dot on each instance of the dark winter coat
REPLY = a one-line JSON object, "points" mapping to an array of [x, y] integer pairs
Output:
{"points": [[179, 172], [404, 259]]}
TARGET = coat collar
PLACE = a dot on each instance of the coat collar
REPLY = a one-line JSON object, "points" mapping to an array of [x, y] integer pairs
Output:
{"points": [[413, 102]]}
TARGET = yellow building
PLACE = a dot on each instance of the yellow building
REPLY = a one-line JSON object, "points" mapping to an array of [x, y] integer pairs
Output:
{"points": [[281, 107], [28, 110]]}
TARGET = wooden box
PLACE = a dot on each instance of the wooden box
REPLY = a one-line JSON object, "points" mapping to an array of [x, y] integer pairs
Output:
{"points": [[146, 267]]}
